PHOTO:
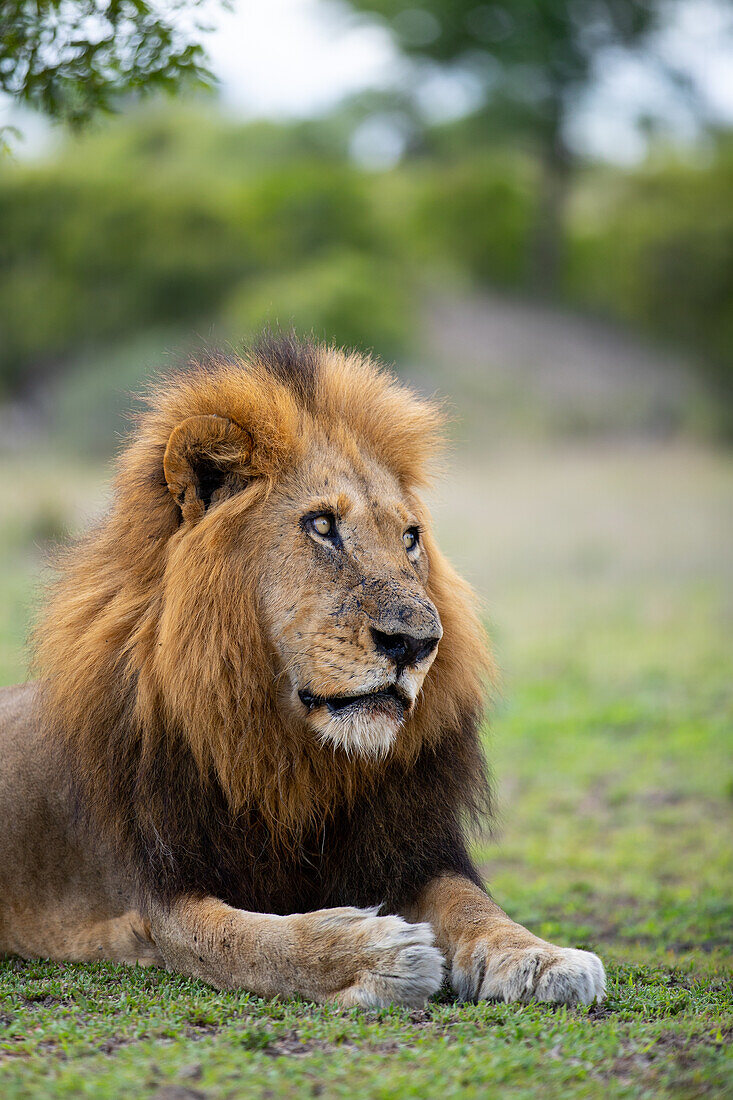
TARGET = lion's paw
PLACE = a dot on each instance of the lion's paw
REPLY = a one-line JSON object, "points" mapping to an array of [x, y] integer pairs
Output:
{"points": [[563, 975], [395, 962]]}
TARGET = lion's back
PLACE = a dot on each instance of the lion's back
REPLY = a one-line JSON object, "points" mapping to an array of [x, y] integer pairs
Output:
{"points": [[45, 852]]}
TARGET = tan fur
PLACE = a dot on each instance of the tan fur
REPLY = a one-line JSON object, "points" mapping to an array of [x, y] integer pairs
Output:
{"points": [[347, 955], [490, 956], [187, 626]]}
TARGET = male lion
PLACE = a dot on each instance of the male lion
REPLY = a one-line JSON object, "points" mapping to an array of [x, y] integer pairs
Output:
{"points": [[256, 726]]}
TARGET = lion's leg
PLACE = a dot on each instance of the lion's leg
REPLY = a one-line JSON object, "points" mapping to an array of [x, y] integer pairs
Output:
{"points": [[492, 958], [346, 955], [124, 939], [65, 931]]}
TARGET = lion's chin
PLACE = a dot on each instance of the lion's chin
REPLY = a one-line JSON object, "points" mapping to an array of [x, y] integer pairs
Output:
{"points": [[366, 724], [360, 732]]}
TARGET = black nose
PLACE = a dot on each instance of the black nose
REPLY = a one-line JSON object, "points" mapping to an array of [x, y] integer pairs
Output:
{"points": [[403, 649]]}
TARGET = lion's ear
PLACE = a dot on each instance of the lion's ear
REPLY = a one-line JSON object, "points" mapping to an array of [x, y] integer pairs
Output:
{"points": [[207, 458]]}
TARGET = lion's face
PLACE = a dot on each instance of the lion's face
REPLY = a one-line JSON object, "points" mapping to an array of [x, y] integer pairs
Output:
{"points": [[343, 598], [266, 595]]}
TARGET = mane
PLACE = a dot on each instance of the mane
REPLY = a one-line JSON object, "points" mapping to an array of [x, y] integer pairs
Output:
{"points": [[161, 737]]}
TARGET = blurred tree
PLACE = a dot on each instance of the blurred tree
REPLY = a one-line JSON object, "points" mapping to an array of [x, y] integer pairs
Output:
{"points": [[531, 59], [73, 58], [158, 221]]}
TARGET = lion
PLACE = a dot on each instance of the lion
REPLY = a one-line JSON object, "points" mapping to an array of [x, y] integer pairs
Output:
{"points": [[252, 751]]}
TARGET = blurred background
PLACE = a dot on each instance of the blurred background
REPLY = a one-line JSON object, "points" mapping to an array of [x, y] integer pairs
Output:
{"points": [[527, 207]]}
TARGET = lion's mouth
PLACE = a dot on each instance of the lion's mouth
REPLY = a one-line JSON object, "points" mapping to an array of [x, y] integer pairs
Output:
{"points": [[386, 699]]}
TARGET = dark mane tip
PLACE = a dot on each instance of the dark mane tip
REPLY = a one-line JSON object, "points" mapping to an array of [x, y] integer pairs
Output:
{"points": [[293, 362]]}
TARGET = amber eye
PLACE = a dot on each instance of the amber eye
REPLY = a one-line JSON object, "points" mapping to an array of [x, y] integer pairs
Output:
{"points": [[411, 539], [322, 525]]}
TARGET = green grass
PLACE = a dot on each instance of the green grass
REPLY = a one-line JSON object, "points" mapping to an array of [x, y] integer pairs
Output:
{"points": [[607, 576], [102, 1032]]}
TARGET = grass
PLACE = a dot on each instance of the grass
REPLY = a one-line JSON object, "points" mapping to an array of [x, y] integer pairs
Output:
{"points": [[607, 574]]}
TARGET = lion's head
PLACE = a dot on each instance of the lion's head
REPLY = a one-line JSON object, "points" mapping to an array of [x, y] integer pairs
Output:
{"points": [[267, 587]]}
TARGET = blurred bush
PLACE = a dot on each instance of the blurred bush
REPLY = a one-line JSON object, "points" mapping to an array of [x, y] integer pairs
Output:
{"points": [[478, 213], [655, 248], [90, 405], [184, 222], [346, 294], [650, 247], [154, 226]]}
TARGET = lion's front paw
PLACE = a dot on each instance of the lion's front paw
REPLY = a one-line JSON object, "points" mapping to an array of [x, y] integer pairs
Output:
{"points": [[543, 972], [384, 960], [400, 965]]}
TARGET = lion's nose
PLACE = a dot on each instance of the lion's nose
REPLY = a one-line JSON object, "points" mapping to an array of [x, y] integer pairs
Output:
{"points": [[403, 649]]}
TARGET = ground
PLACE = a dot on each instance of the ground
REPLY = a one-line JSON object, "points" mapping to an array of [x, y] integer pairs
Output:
{"points": [[606, 572]]}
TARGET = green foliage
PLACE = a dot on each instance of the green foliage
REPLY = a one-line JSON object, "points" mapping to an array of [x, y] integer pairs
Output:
{"points": [[649, 247], [477, 215], [157, 226], [655, 249], [71, 59], [532, 62], [186, 223], [344, 296], [88, 257]]}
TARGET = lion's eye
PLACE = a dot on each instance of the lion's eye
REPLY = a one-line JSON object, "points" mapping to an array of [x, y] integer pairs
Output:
{"points": [[411, 540], [323, 525]]}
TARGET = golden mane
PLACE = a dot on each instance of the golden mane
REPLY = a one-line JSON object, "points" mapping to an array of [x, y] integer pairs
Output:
{"points": [[123, 701]]}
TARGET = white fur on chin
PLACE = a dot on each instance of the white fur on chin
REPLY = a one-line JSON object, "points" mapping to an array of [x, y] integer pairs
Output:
{"points": [[371, 735]]}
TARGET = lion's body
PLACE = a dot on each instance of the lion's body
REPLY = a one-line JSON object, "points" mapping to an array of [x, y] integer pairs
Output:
{"points": [[67, 894], [260, 696], [63, 893]]}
